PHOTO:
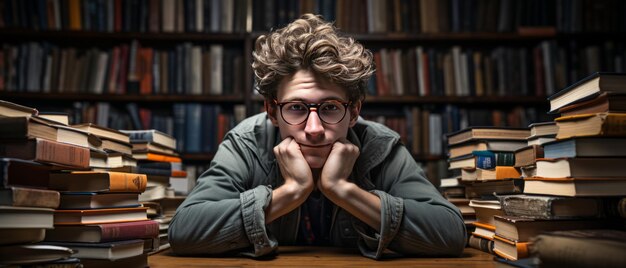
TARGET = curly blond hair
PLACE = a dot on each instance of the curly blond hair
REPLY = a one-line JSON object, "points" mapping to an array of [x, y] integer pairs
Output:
{"points": [[313, 44]]}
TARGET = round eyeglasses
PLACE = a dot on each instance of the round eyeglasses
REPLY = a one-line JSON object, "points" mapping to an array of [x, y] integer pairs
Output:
{"points": [[297, 112]]}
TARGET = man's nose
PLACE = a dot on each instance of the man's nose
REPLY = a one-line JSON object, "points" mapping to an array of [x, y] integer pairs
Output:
{"points": [[314, 126]]}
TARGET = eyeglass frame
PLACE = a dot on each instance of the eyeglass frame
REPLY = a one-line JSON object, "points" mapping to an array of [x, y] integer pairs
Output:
{"points": [[311, 106]]}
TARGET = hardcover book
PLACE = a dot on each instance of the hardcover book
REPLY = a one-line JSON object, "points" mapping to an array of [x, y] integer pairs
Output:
{"points": [[94, 181], [108, 250], [104, 232], [550, 207], [587, 88], [528, 156], [491, 145], [16, 128], [19, 172], [585, 147], [587, 167], [508, 249], [99, 216], [494, 133], [575, 186], [594, 248], [104, 132], [524, 229], [152, 136], [74, 200], [603, 103], [9, 109], [25, 217], [29, 197], [18, 235], [585, 125], [47, 151]]}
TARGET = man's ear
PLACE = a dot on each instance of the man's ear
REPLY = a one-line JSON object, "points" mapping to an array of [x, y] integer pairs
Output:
{"points": [[355, 110], [271, 112]]}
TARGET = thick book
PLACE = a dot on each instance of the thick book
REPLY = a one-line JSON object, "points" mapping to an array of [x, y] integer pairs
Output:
{"points": [[104, 132], [585, 147], [588, 87], [111, 145], [15, 128], [480, 243], [104, 232], [466, 162], [9, 109], [498, 173], [147, 147], [19, 172], [491, 145], [18, 235], [486, 209], [108, 250], [29, 197], [603, 103], [528, 155], [550, 207], [99, 216], [543, 129], [59, 117], [77, 200], [488, 188], [483, 230], [508, 249], [581, 248], [585, 125], [575, 186], [152, 136], [47, 151], [29, 254], [581, 167], [493, 133], [524, 229], [95, 181], [26, 217]]}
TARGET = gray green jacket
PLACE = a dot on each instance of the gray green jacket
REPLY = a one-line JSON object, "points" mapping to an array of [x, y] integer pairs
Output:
{"points": [[225, 211]]}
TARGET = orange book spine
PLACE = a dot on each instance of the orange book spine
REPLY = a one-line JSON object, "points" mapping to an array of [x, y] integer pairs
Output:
{"points": [[506, 172], [179, 173], [75, 15], [127, 182]]}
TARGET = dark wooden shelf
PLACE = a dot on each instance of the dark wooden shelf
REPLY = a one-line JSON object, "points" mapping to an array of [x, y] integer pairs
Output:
{"points": [[120, 98], [9, 34]]}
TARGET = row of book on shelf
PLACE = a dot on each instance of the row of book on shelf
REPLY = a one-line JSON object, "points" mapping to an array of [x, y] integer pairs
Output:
{"points": [[375, 16], [83, 193], [534, 195], [128, 16], [497, 71], [185, 68]]}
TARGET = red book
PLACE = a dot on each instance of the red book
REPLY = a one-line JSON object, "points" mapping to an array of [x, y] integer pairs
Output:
{"points": [[104, 232], [47, 151]]}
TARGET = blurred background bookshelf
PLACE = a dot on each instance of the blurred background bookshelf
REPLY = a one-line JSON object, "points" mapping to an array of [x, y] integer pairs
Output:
{"points": [[180, 65]]}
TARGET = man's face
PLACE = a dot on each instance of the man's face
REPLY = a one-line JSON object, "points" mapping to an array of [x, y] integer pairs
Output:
{"points": [[315, 137]]}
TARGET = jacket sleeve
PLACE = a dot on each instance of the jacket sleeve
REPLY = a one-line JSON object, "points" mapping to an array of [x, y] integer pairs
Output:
{"points": [[415, 218], [224, 213]]}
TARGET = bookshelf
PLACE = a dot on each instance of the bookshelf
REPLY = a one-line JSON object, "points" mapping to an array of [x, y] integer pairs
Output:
{"points": [[572, 36]]}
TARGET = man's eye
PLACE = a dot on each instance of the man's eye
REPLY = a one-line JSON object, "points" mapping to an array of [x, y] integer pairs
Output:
{"points": [[330, 107], [296, 107]]}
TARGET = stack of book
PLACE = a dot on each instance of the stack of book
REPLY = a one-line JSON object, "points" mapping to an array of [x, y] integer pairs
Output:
{"points": [[30, 149], [578, 184], [485, 158], [99, 214], [168, 183]]}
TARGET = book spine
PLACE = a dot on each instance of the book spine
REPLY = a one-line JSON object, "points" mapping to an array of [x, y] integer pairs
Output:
{"points": [[141, 136], [129, 230], [505, 159], [154, 171], [486, 161], [64, 154], [536, 208], [26, 197], [127, 182]]}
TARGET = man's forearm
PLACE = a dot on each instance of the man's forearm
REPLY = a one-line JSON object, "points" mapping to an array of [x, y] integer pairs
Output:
{"points": [[358, 202], [285, 198]]}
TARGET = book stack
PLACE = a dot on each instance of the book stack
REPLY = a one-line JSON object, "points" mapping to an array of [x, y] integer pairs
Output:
{"points": [[579, 182], [168, 183], [29, 150], [485, 158], [99, 215]]}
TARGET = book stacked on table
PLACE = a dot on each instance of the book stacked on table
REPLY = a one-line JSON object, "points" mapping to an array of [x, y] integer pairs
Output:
{"points": [[168, 182], [485, 157], [577, 186], [30, 148]]}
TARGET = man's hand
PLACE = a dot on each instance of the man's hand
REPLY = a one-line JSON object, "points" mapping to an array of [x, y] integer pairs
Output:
{"points": [[293, 166], [338, 166]]}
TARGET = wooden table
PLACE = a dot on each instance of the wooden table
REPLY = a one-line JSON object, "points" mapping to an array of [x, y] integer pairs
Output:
{"points": [[318, 256]]}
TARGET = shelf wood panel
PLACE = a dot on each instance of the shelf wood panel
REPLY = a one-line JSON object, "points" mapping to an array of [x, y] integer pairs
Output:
{"points": [[121, 98]]}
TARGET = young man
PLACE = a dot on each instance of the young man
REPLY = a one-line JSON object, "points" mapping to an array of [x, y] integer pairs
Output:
{"points": [[310, 171]]}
